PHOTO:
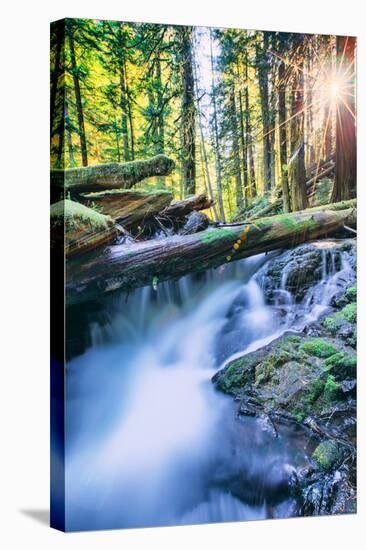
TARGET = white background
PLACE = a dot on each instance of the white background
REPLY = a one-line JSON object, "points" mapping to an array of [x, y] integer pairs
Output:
{"points": [[24, 257]]}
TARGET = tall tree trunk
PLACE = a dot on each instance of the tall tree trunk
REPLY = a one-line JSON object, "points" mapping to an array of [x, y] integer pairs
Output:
{"points": [[79, 105], [248, 130], [58, 69], [236, 150], [123, 98], [68, 131], [272, 135], [309, 115], [346, 146], [204, 158], [243, 141], [116, 130], [327, 150], [297, 171], [160, 98], [60, 146], [283, 136], [216, 137], [328, 133], [129, 112], [262, 69], [188, 131]]}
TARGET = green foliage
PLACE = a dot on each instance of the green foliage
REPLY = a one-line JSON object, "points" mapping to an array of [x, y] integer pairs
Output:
{"points": [[351, 293], [349, 312], [313, 391], [333, 322], [331, 388], [319, 348], [341, 359], [117, 93]]}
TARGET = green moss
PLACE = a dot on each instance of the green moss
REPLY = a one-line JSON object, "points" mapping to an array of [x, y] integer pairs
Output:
{"points": [[331, 388], [232, 377], [266, 368], [75, 215], [314, 390], [326, 454], [351, 293], [299, 414], [293, 339], [352, 340], [214, 234], [126, 192], [319, 348], [333, 322], [341, 359], [349, 312]]}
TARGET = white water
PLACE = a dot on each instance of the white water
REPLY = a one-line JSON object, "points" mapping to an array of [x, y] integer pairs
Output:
{"points": [[149, 440]]}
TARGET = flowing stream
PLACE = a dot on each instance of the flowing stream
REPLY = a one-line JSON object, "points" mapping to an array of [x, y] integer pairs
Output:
{"points": [[149, 441]]}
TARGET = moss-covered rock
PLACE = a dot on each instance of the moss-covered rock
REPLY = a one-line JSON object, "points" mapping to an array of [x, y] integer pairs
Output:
{"points": [[342, 364], [327, 454], [342, 323], [319, 347], [295, 374], [351, 293]]}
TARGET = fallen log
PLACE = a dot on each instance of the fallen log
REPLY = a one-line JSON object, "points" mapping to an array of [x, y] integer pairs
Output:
{"points": [[179, 209], [129, 207], [129, 266], [79, 229], [114, 175]]}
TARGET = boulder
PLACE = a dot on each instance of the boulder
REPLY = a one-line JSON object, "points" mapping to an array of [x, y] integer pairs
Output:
{"points": [[196, 221]]}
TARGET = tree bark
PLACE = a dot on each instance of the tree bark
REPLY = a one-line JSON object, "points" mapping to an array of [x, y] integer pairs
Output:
{"points": [[139, 264], [79, 104], [79, 229], [114, 175], [346, 146]]}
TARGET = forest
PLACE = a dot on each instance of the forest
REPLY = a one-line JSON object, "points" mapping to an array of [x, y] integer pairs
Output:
{"points": [[204, 214], [243, 114]]}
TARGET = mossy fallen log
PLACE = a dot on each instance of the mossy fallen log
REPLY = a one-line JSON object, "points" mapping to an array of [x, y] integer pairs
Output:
{"points": [[139, 264], [79, 229], [113, 175], [129, 207]]}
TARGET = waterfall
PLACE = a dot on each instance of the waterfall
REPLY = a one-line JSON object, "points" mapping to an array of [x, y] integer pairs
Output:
{"points": [[148, 439]]}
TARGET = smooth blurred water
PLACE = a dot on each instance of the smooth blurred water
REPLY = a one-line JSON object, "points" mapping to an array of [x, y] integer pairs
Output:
{"points": [[148, 439]]}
